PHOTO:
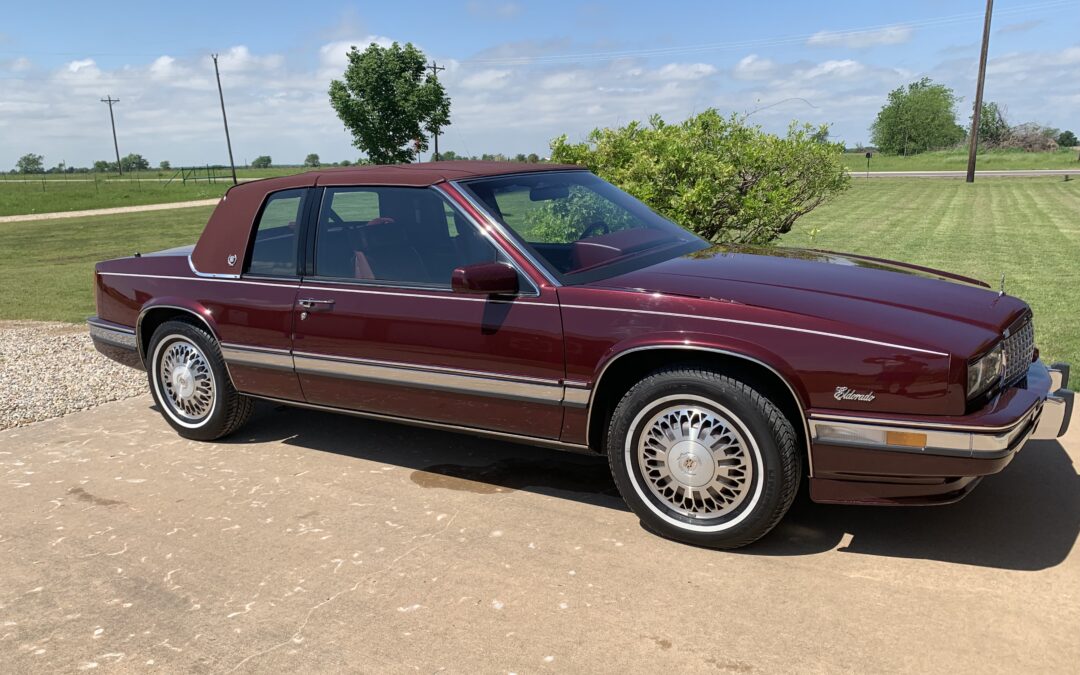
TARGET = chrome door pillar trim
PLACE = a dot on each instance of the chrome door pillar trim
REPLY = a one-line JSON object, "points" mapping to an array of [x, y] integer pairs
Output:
{"points": [[506, 235]]}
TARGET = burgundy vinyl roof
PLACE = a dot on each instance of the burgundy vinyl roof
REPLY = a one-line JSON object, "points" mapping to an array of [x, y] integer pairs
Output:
{"points": [[421, 174], [226, 234]]}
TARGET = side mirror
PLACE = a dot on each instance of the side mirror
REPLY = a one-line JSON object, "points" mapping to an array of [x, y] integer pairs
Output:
{"points": [[487, 278]]}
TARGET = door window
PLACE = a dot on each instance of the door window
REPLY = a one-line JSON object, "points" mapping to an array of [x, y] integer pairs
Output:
{"points": [[392, 234], [273, 250]]}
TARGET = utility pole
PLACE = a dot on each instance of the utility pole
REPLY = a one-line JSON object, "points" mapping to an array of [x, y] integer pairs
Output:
{"points": [[974, 146], [225, 119], [112, 120], [435, 68]]}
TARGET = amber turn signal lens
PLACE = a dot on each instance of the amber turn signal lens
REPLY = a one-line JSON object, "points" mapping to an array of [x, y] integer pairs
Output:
{"points": [[906, 439]]}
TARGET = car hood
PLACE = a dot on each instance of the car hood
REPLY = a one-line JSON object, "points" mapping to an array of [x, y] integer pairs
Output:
{"points": [[928, 306]]}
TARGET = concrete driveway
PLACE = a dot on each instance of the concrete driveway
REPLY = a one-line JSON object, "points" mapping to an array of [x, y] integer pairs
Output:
{"points": [[318, 543]]}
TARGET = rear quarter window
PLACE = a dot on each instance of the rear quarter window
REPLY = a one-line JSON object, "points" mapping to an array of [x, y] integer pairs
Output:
{"points": [[273, 250]]}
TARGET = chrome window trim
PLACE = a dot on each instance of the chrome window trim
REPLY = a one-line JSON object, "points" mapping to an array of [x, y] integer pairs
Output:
{"points": [[440, 426], [744, 357], [501, 229], [207, 275]]}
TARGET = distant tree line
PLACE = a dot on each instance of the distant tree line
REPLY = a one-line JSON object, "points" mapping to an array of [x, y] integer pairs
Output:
{"points": [[922, 116]]}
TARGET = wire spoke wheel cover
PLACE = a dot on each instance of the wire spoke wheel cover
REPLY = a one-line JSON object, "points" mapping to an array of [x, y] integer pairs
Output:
{"points": [[695, 461], [185, 380]]}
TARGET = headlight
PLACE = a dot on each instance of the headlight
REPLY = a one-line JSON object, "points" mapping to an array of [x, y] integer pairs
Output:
{"points": [[985, 372]]}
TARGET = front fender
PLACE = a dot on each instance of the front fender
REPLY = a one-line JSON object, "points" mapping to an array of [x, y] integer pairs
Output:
{"points": [[705, 342]]}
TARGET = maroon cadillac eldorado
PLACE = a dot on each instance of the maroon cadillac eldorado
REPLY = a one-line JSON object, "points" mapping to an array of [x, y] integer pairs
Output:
{"points": [[541, 304]]}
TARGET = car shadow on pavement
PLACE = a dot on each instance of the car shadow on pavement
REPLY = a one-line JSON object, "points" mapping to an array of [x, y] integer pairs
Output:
{"points": [[1026, 518]]}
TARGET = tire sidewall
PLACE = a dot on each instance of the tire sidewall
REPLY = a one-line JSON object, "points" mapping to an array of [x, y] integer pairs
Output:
{"points": [[751, 518], [167, 334]]}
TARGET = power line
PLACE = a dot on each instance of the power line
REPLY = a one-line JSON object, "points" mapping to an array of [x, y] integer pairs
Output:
{"points": [[112, 120], [761, 42]]}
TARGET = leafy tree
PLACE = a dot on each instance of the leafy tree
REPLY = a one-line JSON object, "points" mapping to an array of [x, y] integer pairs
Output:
{"points": [[921, 116], [312, 160], [104, 166], [449, 156], [993, 127], [388, 100], [261, 162], [164, 165], [134, 162], [1067, 139], [30, 163], [520, 157], [344, 162], [533, 158], [718, 176]]}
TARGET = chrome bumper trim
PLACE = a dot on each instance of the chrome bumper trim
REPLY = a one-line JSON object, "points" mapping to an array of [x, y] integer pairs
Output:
{"points": [[1046, 420], [1059, 405], [112, 333]]}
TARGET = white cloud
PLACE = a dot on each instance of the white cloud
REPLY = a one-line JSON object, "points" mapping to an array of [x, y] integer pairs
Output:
{"points": [[169, 107], [889, 35], [753, 67], [687, 71]]}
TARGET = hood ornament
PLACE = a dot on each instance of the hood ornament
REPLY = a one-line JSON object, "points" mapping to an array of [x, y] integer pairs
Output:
{"points": [[1002, 291]]}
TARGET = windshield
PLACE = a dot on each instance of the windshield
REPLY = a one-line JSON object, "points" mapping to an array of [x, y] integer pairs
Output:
{"points": [[581, 227]]}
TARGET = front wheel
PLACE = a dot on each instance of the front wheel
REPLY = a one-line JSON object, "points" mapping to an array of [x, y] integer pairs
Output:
{"points": [[191, 384], [703, 458]]}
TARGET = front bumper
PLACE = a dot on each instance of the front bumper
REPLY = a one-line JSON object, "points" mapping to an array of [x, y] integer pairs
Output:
{"points": [[858, 460]]}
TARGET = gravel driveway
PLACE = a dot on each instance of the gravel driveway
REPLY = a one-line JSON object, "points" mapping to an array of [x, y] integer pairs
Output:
{"points": [[51, 369]]}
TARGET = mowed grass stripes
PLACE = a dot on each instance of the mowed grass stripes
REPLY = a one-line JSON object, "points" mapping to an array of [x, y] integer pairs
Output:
{"points": [[1028, 229]]}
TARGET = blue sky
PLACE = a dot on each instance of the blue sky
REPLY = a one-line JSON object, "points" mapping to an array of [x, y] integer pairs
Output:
{"points": [[519, 72]]}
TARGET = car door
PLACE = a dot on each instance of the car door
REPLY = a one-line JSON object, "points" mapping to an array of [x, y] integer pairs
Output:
{"points": [[254, 314], [379, 330]]}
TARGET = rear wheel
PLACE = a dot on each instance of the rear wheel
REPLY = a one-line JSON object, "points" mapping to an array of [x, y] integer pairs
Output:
{"points": [[703, 458], [191, 384]]}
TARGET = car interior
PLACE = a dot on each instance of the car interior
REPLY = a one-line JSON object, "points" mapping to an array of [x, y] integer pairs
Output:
{"points": [[394, 234]]}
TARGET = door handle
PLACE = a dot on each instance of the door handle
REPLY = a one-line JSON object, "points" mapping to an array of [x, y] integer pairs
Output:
{"points": [[312, 303]]}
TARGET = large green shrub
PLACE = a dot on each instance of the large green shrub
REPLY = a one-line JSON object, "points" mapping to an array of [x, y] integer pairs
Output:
{"points": [[718, 176]]}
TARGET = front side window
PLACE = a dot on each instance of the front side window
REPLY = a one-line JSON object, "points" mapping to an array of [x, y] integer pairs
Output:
{"points": [[394, 234], [582, 227], [273, 251]]}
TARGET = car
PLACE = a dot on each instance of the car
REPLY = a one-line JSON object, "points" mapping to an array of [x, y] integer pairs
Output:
{"points": [[537, 303]]}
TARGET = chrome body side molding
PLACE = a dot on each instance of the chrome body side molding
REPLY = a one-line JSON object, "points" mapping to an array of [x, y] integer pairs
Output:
{"points": [[443, 379]]}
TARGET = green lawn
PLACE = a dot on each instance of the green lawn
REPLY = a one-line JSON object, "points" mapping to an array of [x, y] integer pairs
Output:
{"points": [[956, 160], [58, 195], [46, 266], [1027, 228]]}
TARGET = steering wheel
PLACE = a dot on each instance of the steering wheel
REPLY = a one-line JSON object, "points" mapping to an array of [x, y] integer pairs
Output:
{"points": [[593, 228]]}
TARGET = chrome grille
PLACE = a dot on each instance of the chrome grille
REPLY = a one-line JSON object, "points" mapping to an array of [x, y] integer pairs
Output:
{"points": [[1019, 348]]}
